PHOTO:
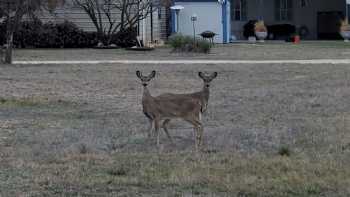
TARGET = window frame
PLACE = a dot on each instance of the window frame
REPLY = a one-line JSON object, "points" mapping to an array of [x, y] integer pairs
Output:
{"points": [[242, 10], [284, 10]]}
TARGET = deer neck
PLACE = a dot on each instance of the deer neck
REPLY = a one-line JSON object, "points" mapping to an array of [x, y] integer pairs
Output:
{"points": [[146, 95], [147, 98], [205, 93], [204, 97], [147, 103]]}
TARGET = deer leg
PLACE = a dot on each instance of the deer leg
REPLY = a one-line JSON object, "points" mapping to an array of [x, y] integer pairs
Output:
{"points": [[198, 132], [156, 126], [165, 123], [150, 128], [199, 136]]}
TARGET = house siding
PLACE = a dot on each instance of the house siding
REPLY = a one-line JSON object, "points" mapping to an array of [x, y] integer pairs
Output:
{"points": [[158, 29], [78, 16]]}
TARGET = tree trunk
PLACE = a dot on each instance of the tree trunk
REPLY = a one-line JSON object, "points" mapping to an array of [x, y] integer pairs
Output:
{"points": [[101, 36], [122, 18], [9, 47]]}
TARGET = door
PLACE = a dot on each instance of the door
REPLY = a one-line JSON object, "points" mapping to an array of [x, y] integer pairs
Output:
{"points": [[328, 24]]}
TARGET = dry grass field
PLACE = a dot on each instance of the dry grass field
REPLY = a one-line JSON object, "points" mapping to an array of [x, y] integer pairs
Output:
{"points": [[270, 130]]}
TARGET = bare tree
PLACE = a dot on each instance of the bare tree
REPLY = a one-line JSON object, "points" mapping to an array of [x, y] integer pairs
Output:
{"points": [[111, 16], [13, 11]]}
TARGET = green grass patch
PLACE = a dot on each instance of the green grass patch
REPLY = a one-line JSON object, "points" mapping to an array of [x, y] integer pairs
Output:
{"points": [[325, 44], [181, 43], [20, 102], [32, 102], [180, 173]]}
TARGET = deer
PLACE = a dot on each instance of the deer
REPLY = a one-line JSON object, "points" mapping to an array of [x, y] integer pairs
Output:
{"points": [[188, 107], [202, 96]]}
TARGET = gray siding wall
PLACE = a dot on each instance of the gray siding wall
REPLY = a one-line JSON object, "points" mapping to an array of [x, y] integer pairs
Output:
{"points": [[82, 20], [163, 23], [302, 16], [155, 28]]}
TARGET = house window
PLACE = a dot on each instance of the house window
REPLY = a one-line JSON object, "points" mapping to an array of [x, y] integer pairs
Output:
{"points": [[284, 10], [159, 12], [304, 3], [239, 10]]}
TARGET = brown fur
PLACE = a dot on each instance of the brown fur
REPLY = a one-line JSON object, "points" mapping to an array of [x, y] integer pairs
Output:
{"points": [[168, 106]]}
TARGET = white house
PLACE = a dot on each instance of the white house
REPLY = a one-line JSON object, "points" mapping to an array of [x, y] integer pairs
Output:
{"points": [[211, 15]]}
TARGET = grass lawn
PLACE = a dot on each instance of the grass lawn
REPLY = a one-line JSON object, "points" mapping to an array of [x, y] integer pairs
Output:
{"points": [[270, 130], [177, 174], [235, 51]]}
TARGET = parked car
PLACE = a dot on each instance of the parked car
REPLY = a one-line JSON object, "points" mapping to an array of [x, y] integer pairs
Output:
{"points": [[281, 31], [275, 32]]}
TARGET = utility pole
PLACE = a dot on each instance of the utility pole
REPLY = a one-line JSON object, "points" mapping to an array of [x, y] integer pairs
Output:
{"points": [[194, 19]]}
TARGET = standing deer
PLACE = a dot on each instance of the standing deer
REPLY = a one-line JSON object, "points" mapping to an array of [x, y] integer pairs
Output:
{"points": [[202, 96], [168, 106]]}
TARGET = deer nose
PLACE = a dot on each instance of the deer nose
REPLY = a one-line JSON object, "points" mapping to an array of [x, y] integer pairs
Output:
{"points": [[144, 84], [207, 85]]}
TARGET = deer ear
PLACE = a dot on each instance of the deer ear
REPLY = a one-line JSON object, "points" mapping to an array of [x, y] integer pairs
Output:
{"points": [[153, 74], [214, 75], [138, 74], [200, 74]]}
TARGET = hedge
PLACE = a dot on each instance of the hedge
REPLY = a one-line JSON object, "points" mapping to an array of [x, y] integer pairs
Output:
{"points": [[35, 34]]}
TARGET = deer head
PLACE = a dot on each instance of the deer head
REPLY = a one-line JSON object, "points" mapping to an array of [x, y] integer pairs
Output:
{"points": [[207, 78], [145, 79]]}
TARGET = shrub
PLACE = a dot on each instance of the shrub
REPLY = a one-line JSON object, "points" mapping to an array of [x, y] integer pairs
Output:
{"points": [[182, 43], [203, 46], [65, 35], [125, 38], [70, 36], [27, 34], [35, 34], [178, 41], [49, 35], [120, 171], [248, 29], [284, 151]]}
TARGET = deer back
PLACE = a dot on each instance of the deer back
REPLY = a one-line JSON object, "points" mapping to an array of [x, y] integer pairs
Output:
{"points": [[168, 107]]}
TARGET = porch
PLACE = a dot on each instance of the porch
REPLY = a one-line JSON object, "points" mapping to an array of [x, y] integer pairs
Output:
{"points": [[318, 19]]}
